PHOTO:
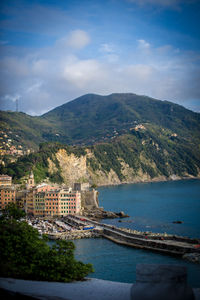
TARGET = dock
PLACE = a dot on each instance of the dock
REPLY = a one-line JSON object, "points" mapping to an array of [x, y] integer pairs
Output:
{"points": [[169, 244]]}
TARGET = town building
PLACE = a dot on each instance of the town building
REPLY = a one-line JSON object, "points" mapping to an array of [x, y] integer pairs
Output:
{"points": [[7, 195], [5, 180], [33, 202], [70, 202], [41, 200], [21, 198], [46, 200]]}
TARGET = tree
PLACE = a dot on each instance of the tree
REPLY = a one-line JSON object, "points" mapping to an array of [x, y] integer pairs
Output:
{"points": [[11, 211], [26, 255]]}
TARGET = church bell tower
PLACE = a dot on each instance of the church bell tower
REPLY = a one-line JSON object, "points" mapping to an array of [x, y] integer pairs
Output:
{"points": [[30, 182]]}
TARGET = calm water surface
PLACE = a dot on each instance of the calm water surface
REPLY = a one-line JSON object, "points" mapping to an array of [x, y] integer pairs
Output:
{"points": [[151, 207]]}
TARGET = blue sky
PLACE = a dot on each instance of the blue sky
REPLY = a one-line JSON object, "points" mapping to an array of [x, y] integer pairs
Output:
{"points": [[55, 51]]}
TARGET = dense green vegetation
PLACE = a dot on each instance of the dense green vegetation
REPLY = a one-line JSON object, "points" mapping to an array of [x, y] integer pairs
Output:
{"points": [[26, 255], [154, 150], [38, 163], [168, 144], [93, 118]]}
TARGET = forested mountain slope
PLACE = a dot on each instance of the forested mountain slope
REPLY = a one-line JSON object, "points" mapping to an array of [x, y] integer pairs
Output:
{"points": [[146, 153], [92, 118]]}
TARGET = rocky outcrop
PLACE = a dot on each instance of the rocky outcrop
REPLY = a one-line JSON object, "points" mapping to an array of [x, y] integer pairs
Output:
{"points": [[76, 169], [73, 168], [100, 213], [52, 166], [193, 257]]}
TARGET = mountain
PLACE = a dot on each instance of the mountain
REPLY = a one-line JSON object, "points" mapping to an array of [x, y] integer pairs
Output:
{"points": [[93, 118], [111, 139]]}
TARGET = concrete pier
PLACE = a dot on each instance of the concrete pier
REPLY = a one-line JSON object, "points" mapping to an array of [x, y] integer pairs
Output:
{"points": [[172, 245]]}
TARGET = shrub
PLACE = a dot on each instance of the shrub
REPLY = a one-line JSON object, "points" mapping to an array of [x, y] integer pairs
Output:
{"points": [[26, 255]]}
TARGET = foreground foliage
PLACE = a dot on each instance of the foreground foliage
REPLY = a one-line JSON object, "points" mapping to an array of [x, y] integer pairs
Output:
{"points": [[26, 255]]}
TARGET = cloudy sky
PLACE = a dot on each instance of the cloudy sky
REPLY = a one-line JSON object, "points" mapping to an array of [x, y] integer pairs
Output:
{"points": [[53, 51]]}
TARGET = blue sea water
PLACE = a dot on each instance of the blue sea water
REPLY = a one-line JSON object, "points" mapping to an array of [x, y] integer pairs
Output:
{"points": [[151, 207]]}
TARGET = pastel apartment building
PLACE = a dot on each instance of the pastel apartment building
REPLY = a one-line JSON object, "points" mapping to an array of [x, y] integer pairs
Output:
{"points": [[46, 200], [7, 195], [7, 191], [40, 200], [5, 180]]}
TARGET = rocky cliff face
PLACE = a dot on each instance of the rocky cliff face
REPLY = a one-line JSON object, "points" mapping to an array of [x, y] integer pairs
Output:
{"points": [[73, 168], [76, 169], [149, 153]]}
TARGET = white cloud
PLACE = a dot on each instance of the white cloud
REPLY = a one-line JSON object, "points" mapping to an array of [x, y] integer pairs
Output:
{"points": [[53, 76], [109, 53], [34, 88], [142, 44], [141, 72], [12, 98], [81, 72], [77, 39], [107, 48]]}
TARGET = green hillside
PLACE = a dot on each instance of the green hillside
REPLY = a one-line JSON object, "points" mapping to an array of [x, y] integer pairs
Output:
{"points": [[127, 137], [150, 152], [96, 116], [93, 118], [24, 129]]}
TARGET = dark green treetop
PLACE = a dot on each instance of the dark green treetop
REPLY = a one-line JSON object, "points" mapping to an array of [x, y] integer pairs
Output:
{"points": [[26, 255]]}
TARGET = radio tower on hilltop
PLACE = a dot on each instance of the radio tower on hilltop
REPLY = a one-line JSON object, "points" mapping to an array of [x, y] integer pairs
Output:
{"points": [[17, 104]]}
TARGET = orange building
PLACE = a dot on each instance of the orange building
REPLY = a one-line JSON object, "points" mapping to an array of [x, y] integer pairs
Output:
{"points": [[52, 207], [45, 200], [5, 180], [7, 195]]}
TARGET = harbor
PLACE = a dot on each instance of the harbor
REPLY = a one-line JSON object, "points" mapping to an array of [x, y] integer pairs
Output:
{"points": [[77, 227], [56, 229]]}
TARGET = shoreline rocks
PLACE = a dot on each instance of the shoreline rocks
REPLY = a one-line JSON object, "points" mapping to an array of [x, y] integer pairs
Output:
{"points": [[76, 234], [192, 257], [100, 213]]}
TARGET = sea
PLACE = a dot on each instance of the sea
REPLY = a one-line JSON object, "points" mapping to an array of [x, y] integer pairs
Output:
{"points": [[151, 207]]}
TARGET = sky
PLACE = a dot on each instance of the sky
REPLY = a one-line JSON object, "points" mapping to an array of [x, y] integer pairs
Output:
{"points": [[53, 51]]}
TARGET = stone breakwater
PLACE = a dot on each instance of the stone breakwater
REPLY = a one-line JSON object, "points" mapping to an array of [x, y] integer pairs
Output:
{"points": [[75, 235], [160, 236], [163, 243], [78, 227]]}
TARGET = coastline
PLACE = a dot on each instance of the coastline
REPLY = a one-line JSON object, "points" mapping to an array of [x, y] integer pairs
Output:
{"points": [[157, 179]]}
